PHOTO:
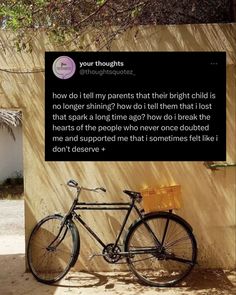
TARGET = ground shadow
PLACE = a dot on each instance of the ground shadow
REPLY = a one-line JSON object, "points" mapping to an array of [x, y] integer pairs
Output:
{"points": [[208, 279], [202, 281], [84, 279], [14, 280]]}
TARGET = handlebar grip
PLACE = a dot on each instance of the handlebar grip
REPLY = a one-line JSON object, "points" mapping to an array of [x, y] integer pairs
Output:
{"points": [[72, 183]]}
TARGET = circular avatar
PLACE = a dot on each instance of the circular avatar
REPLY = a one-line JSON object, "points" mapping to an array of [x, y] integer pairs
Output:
{"points": [[64, 67]]}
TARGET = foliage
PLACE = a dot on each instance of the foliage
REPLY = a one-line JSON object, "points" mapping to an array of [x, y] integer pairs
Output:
{"points": [[94, 24], [9, 119], [12, 188], [13, 181], [70, 21]]}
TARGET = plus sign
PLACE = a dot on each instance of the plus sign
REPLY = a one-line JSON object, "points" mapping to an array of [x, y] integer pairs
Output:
{"points": [[103, 149]]}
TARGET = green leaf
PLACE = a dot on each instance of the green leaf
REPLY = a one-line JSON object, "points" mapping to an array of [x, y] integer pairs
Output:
{"points": [[100, 2], [136, 12]]}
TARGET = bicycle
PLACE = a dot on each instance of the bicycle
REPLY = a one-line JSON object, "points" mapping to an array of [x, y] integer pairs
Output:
{"points": [[159, 247]]}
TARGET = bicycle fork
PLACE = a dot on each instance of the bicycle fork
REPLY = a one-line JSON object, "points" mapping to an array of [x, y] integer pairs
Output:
{"points": [[52, 247]]}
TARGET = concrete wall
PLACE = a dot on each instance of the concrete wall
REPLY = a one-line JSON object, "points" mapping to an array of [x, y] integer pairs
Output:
{"points": [[209, 196], [11, 153]]}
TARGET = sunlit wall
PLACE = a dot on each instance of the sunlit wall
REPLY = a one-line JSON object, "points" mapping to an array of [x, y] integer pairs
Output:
{"points": [[209, 196]]}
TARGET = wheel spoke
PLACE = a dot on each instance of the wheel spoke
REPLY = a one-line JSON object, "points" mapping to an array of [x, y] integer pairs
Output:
{"points": [[186, 238], [167, 264]]}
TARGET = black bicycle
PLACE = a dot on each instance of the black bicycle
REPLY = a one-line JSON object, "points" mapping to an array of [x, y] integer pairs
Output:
{"points": [[159, 247]]}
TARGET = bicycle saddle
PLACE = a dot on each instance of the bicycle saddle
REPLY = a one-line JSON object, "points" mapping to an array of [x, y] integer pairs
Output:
{"points": [[132, 194]]}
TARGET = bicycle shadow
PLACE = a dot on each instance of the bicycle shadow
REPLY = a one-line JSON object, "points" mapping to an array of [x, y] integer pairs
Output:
{"points": [[83, 279], [200, 281], [89, 279]]}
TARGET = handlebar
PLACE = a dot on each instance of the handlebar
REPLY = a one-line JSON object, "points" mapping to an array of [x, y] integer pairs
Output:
{"points": [[93, 189], [101, 189], [73, 183]]}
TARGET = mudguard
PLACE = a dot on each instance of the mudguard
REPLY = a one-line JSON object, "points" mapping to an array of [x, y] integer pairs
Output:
{"points": [[75, 236], [76, 239]]}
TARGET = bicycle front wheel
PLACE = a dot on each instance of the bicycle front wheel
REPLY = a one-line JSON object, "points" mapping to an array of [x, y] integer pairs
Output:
{"points": [[162, 249], [52, 249]]}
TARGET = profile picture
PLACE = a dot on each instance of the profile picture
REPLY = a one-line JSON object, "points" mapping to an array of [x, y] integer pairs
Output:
{"points": [[64, 67]]}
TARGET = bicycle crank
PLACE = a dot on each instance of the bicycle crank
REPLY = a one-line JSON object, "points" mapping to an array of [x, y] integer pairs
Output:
{"points": [[111, 253]]}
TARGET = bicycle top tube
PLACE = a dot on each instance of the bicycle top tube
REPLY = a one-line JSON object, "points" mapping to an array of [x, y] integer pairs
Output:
{"points": [[135, 196]]}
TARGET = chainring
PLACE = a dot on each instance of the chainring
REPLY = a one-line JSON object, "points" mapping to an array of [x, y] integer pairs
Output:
{"points": [[111, 254]]}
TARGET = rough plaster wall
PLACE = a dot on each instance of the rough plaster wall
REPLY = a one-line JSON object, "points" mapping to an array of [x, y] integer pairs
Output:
{"points": [[11, 154], [209, 197]]}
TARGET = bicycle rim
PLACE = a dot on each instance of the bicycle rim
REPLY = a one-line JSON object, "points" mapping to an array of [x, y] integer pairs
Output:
{"points": [[50, 264], [164, 267]]}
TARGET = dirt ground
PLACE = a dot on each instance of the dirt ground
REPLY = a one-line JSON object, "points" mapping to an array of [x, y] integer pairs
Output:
{"points": [[14, 279]]}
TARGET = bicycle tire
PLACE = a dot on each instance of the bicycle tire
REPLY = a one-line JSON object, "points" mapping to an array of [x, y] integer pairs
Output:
{"points": [[49, 266], [160, 268]]}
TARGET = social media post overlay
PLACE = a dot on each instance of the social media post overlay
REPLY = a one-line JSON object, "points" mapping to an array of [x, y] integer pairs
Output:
{"points": [[135, 106]]}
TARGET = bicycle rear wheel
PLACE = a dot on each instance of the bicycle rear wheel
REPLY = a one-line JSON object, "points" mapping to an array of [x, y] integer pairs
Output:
{"points": [[166, 262], [50, 255]]}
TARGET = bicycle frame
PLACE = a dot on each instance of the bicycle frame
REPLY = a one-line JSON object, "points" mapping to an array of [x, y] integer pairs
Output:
{"points": [[117, 206], [148, 240], [105, 206]]}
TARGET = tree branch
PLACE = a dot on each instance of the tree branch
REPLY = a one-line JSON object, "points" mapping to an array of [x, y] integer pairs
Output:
{"points": [[91, 14]]}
